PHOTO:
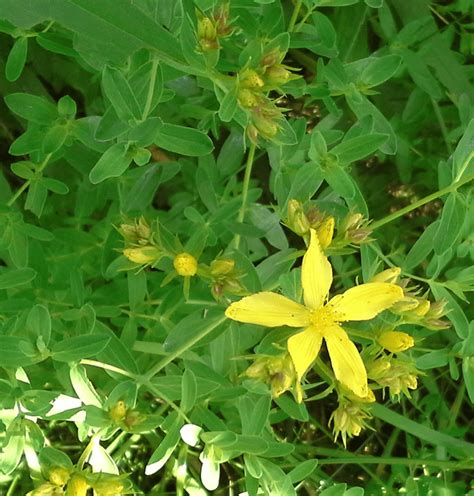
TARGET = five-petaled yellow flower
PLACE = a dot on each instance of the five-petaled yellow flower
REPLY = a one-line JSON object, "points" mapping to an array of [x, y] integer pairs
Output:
{"points": [[320, 318]]}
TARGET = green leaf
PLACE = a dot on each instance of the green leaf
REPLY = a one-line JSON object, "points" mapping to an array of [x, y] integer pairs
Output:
{"points": [[51, 457], [184, 140], [228, 105], [23, 169], [72, 349], [32, 108], [39, 322], [36, 197], [455, 446], [354, 149], [468, 374], [113, 163], [55, 186], [302, 470], [194, 329], [16, 59], [422, 248], [188, 391], [380, 69], [15, 352], [119, 92], [54, 138], [162, 454], [434, 359], [450, 225], [12, 449], [16, 277]]}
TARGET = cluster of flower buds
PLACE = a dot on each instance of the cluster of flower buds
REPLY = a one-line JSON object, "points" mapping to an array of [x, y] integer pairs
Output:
{"points": [[349, 419], [224, 278], [72, 482], [140, 246], [213, 28], [254, 83], [124, 417], [393, 373], [277, 371], [301, 222]]}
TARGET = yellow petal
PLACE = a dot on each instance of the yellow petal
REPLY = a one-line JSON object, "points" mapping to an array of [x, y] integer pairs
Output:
{"points": [[316, 274], [304, 348], [364, 302], [346, 362], [268, 309]]}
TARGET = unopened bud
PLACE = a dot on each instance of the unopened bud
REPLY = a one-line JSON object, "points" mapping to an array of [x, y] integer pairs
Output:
{"points": [[77, 486], [108, 488], [325, 232], [250, 79], [277, 76], [59, 475], [407, 304], [265, 126], [378, 368], [252, 133], [422, 309], [358, 236], [247, 98], [185, 265], [437, 309], [143, 255], [206, 30], [348, 421], [271, 58], [395, 341], [222, 267], [388, 275], [118, 411], [297, 220]]}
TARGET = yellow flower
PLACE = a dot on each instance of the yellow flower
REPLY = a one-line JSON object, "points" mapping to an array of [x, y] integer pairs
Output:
{"points": [[320, 320], [185, 264], [395, 341]]}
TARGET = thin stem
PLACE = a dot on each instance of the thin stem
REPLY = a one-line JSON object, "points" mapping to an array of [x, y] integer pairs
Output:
{"points": [[179, 351], [106, 366], [245, 189], [294, 15], [442, 125], [25, 185], [151, 88], [399, 213]]}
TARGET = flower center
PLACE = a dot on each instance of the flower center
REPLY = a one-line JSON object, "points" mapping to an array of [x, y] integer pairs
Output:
{"points": [[321, 318]]}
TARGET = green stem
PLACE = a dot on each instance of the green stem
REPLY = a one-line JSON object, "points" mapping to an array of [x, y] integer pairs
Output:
{"points": [[151, 88], [397, 461], [442, 125], [179, 351], [245, 189], [25, 185], [399, 213], [106, 366], [294, 15]]}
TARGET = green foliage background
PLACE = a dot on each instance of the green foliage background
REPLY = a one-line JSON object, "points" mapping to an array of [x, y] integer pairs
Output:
{"points": [[111, 112]]}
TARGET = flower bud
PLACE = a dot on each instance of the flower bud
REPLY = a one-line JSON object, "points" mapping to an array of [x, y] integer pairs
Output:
{"points": [[252, 133], [250, 79], [348, 420], [325, 232], [118, 411], [378, 368], [46, 489], [297, 220], [407, 304], [222, 267], [247, 98], [77, 486], [207, 34], [388, 275], [265, 126], [277, 76], [352, 221], [143, 255], [108, 488], [437, 309], [395, 341], [422, 309], [59, 475], [185, 265], [271, 58]]}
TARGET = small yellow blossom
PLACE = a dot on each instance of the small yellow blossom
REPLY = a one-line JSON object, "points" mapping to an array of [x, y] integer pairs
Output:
{"points": [[118, 411], [296, 218], [319, 320], [59, 475], [77, 486], [395, 341], [185, 264]]}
